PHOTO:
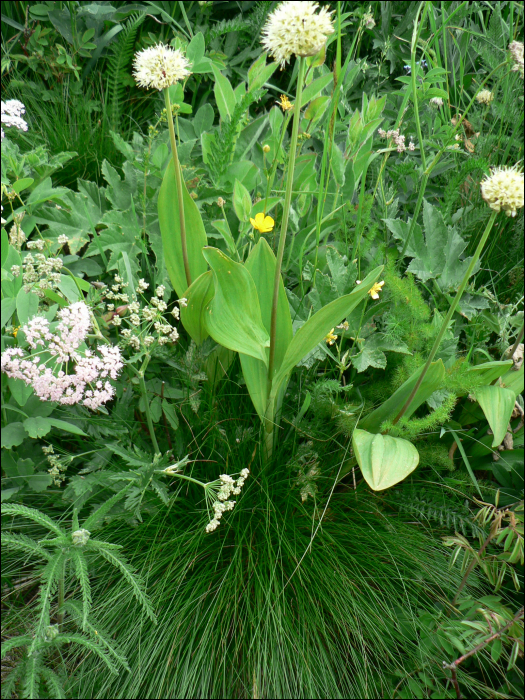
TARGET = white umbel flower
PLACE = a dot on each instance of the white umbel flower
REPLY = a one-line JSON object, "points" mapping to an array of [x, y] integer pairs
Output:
{"points": [[294, 28], [503, 190], [485, 97], [159, 67]]}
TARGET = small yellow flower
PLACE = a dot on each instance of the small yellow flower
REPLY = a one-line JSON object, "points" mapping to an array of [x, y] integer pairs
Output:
{"points": [[374, 291], [262, 223], [331, 337], [266, 148], [15, 330], [285, 103]]}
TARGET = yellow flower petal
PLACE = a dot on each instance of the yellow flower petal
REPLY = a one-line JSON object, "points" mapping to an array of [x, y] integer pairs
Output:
{"points": [[262, 223]]}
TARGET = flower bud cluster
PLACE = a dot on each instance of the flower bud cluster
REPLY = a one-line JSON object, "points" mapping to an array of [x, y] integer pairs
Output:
{"points": [[399, 139], [227, 486]]}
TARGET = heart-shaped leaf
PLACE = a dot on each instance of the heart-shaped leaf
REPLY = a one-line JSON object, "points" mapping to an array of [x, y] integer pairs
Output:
{"points": [[497, 404], [384, 460], [233, 316]]}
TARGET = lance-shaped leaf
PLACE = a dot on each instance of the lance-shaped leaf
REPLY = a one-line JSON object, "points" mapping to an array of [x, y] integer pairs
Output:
{"points": [[233, 316], [261, 265], [432, 381], [319, 325], [497, 404], [384, 460], [489, 371], [198, 295], [168, 208]]}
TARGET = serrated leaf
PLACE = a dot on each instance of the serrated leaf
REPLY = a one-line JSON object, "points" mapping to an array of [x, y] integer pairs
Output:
{"points": [[383, 460]]}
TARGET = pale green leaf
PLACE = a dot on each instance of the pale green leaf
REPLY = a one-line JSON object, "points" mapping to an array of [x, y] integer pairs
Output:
{"points": [[497, 404], [384, 460], [198, 296]]}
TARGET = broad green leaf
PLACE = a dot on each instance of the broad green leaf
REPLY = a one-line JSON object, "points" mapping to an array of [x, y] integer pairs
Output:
{"points": [[497, 404], [13, 435], [259, 73], [317, 108], [233, 316], [26, 305], [438, 254], [8, 309], [191, 316], [242, 202], [223, 94], [261, 265], [203, 119], [489, 371], [513, 380], [432, 381], [222, 227], [169, 221], [320, 324], [20, 390], [37, 427], [66, 426], [384, 460], [314, 88], [68, 288], [22, 184]]}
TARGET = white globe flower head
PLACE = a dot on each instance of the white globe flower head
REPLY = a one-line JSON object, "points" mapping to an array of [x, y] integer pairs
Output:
{"points": [[503, 190], [159, 67], [485, 97], [295, 28]]}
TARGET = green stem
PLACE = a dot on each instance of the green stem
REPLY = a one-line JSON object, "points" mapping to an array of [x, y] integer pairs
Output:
{"points": [[449, 315], [178, 180], [61, 595], [144, 392], [286, 212], [415, 37]]}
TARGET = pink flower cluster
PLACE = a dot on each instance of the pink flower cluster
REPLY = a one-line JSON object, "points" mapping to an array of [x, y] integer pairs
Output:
{"points": [[398, 138], [85, 384]]}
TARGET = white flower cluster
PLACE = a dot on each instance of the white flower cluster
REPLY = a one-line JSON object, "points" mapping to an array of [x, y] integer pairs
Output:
{"points": [[399, 139], [11, 115], [436, 102], [294, 28], [516, 51], [38, 271], [503, 190], [485, 97], [227, 486], [159, 67], [146, 321], [48, 380]]}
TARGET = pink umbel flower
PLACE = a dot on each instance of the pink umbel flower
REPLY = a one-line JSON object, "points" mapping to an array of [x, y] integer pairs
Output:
{"points": [[46, 375]]}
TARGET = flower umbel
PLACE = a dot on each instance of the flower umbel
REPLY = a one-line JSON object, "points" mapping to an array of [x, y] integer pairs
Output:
{"points": [[263, 224], [503, 190], [516, 51], [222, 489], [376, 288], [295, 28], [159, 67]]}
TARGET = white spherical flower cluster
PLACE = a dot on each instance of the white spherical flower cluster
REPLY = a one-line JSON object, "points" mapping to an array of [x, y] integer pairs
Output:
{"points": [[436, 102], [159, 67], [516, 51], [503, 190], [295, 28], [11, 115], [485, 97], [227, 486]]}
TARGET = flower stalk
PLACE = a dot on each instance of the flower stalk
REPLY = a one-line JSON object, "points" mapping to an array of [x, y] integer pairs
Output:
{"points": [[149, 421]]}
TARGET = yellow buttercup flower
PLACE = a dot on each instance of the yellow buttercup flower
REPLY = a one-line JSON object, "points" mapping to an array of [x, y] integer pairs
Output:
{"points": [[331, 337], [285, 103], [262, 223], [374, 291]]}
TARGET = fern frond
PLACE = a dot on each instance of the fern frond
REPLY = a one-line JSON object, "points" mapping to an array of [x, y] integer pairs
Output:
{"points": [[226, 26], [25, 544], [50, 575], [454, 188], [118, 67], [20, 641], [101, 635], [55, 687], [32, 514], [88, 644], [100, 513], [9, 683], [131, 577], [81, 572], [32, 667]]}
